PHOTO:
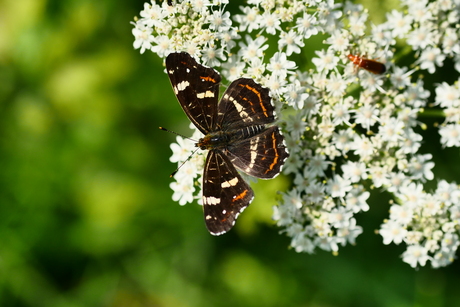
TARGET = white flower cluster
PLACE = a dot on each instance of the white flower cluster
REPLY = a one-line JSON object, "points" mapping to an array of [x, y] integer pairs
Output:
{"points": [[427, 223], [193, 26], [349, 131], [448, 98]]}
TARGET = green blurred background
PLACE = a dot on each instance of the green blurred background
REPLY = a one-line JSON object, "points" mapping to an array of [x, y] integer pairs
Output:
{"points": [[86, 216]]}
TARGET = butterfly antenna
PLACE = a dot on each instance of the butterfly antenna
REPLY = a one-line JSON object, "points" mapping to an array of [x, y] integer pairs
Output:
{"points": [[189, 157], [170, 131], [177, 169]]}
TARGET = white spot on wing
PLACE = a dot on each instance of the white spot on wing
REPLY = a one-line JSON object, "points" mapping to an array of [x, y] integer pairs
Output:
{"points": [[253, 150], [207, 94], [243, 114], [230, 183], [211, 200], [182, 85]]}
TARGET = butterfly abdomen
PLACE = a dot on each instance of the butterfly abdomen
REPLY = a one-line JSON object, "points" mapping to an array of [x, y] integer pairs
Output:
{"points": [[247, 132]]}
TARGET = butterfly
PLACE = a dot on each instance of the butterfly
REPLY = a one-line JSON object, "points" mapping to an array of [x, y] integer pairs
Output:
{"points": [[238, 134]]}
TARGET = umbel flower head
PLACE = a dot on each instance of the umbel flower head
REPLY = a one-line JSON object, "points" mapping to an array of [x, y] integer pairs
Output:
{"points": [[350, 131]]}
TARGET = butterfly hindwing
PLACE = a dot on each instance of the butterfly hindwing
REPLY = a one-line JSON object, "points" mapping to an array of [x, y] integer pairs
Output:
{"points": [[261, 156], [196, 88], [225, 193], [245, 103]]}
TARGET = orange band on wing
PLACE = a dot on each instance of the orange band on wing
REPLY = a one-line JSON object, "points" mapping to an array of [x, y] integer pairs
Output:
{"points": [[240, 196]]}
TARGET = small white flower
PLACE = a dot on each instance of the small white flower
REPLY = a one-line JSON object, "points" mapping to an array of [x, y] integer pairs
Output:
{"points": [[233, 69], [339, 186], [379, 175], [199, 6], [449, 193], [296, 125], [358, 23], [153, 15], [341, 113], [391, 131], [283, 215], [430, 58], [450, 135], [307, 25], [411, 194], [296, 95], [292, 164], [302, 243], [420, 167], [256, 68], [292, 41], [340, 217], [412, 142], [416, 94], [311, 106], [328, 243], [183, 191], [371, 82], [350, 232], [342, 139], [253, 49], [383, 35], [450, 42], [220, 20], [392, 231], [339, 40], [367, 116], [355, 171], [420, 38], [442, 258], [401, 77], [421, 11], [396, 180], [143, 36], [415, 255], [336, 85], [162, 45], [356, 200], [315, 191], [325, 60], [318, 165], [248, 20], [401, 214], [328, 14], [181, 150], [362, 147], [280, 65], [447, 95], [399, 22], [270, 22]]}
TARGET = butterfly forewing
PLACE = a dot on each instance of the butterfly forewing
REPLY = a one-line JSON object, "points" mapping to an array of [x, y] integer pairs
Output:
{"points": [[245, 103], [225, 193], [196, 88]]}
